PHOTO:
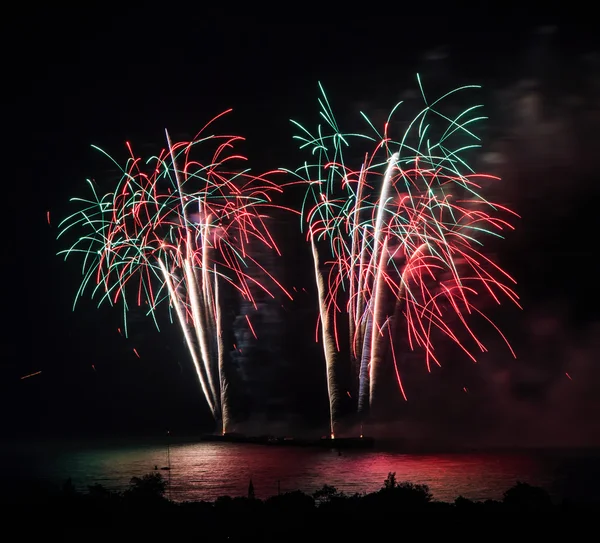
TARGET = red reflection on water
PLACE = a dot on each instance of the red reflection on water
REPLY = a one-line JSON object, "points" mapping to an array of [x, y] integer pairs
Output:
{"points": [[208, 471], [474, 476], [205, 471]]}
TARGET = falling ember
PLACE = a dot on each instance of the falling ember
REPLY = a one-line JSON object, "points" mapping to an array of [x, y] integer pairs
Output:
{"points": [[136, 353], [48, 216], [251, 328], [349, 395], [93, 367], [465, 389], [568, 376], [119, 330], [31, 375]]}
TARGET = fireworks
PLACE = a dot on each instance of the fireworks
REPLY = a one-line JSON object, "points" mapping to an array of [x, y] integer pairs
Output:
{"points": [[181, 231], [403, 225], [396, 227]]}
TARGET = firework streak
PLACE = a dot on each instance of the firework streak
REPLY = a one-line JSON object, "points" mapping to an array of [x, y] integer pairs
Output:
{"points": [[402, 229], [179, 230]]}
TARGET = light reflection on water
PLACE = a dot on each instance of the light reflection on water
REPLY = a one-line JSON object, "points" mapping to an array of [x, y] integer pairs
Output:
{"points": [[205, 471]]}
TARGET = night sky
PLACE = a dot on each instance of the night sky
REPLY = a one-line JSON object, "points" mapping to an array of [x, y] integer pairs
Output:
{"points": [[104, 78]]}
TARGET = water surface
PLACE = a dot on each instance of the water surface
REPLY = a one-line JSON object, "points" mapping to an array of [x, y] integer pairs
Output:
{"points": [[205, 471]]}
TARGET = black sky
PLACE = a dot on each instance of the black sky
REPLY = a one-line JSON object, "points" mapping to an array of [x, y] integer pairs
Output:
{"points": [[105, 77]]}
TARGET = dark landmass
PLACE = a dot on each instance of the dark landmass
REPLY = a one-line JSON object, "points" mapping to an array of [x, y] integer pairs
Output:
{"points": [[146, 508], [362, 442]]}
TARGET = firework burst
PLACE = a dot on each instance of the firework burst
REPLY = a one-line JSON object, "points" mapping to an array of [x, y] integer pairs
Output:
{"points": [[180, 230], [402, 225]]}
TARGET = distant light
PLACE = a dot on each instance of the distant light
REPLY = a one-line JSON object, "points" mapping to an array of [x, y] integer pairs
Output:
{"points": [[31, 375]]}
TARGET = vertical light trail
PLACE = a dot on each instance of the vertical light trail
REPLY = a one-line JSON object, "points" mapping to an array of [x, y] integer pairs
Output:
{"points": [[186, 333], [375, 271], [354, 289], [377, 350], [362, 322], [223, 385], [363, 383], [328, 343], [203, 341], [381, 210]]}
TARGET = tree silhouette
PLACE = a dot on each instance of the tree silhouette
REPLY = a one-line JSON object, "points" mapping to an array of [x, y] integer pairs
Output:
{"points": [[526, 496], [325, 493], [390, 481], [150, 487]]}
